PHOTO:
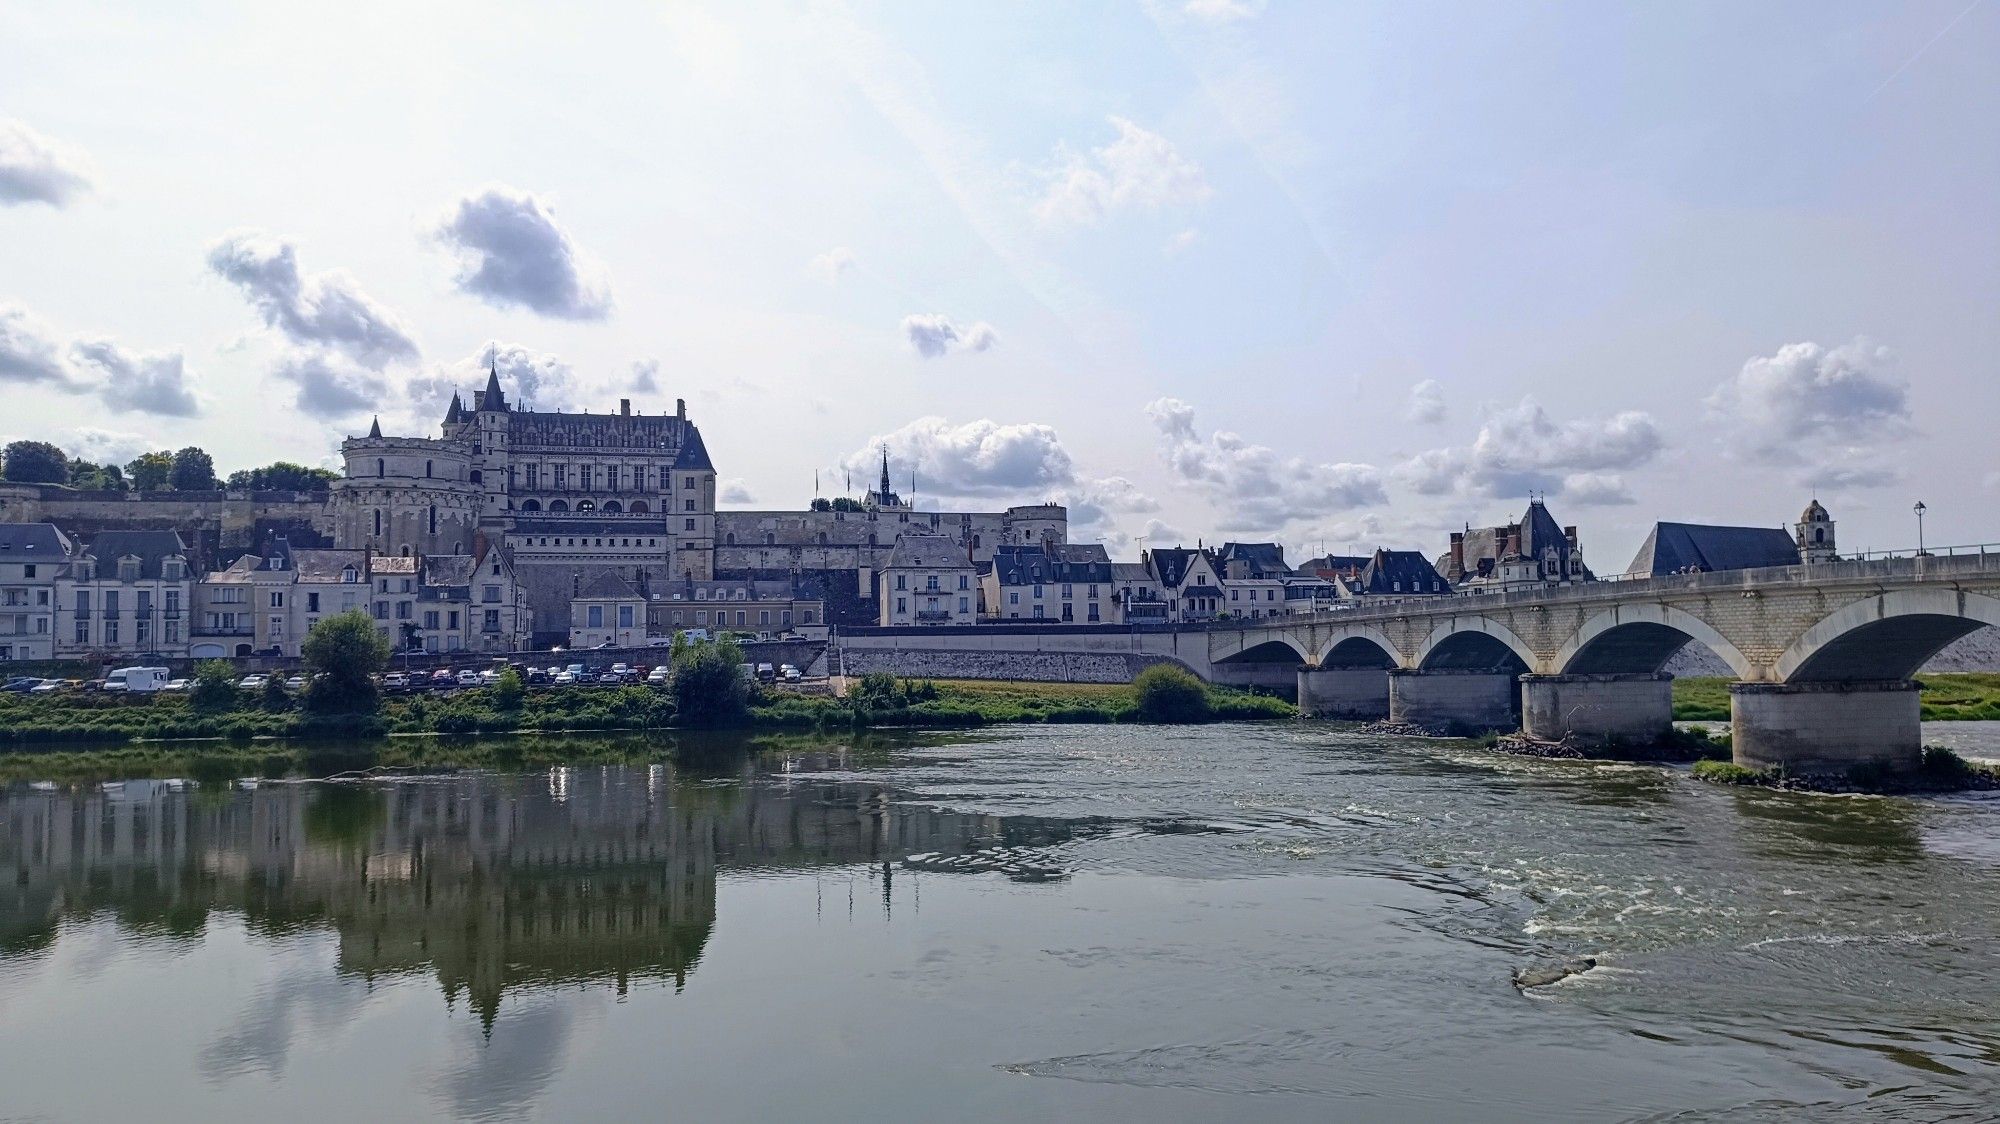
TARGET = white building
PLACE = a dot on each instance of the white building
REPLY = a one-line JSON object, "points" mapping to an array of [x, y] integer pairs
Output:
{"points": [[929, 580], [1056, 583], [1189, 581], [126, 594], [32, 555], [610, 610]]}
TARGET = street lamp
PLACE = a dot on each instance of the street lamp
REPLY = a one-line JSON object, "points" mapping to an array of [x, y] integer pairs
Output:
{"points": [[1920, 509]]}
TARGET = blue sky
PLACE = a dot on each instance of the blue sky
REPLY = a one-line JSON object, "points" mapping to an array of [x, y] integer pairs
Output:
{"points": [[1352, 274]]}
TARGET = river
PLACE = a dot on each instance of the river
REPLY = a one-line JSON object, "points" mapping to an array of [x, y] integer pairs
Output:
{"points": [[1287, 921]]}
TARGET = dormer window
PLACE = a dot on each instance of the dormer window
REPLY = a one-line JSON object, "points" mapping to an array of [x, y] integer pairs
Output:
{"points": [[173, 569], [349, 575], [128, 569]]}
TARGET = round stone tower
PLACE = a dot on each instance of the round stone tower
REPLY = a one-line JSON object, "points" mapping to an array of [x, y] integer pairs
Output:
{"points": [[406, 495], [1029, 524]]}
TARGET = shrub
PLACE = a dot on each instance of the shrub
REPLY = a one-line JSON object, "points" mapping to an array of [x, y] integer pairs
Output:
{"points": [[214, 688], [1728, 772], [343, 652], [707, 686], [509, 691], [276, 699], [1167, 693]]}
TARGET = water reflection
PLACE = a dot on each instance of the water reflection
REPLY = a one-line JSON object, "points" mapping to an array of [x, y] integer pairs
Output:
{"points": [[491, 883]]}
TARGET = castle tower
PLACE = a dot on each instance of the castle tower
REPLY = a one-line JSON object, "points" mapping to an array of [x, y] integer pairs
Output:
{"points": [[690, 508], [1814, 535], [405, 495]]}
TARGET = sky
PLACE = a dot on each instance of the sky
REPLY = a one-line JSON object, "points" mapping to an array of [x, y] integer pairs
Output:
{"points": [[1338, 275]]}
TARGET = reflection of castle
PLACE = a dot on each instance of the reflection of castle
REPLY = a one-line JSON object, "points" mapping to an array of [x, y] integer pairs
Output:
{"points": [[598, 875]]}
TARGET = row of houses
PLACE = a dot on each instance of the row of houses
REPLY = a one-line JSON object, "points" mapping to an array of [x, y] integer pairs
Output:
{"points": [[139, 594], [932, 580]]}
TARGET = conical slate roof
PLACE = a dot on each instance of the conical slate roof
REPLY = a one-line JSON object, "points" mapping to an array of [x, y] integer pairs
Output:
{"points": [[693, 454]]}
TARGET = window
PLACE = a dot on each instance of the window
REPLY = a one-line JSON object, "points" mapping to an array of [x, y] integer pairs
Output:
{"points": [[430, 618], [1038, 612], [277, 599], [690, 524], [489, 594], [963, 582], [1013, 597], [701, 617], [931, 583], [83, 632], [624, 616], [1093, 613], [594, 616], [381, 610], [28, 571], [312, 603], [111, 630], [902, 605], [403, 610], [965, 604], [1066, 590], [902, 582], [1038, 592], [687, 505]]}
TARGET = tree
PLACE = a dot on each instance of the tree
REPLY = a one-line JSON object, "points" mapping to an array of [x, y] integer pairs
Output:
{"points": [[708, 684], [342, 653], [214, 687], [93, 477], [845, 503], [149, 471], [281, 476], [508, 690], [193, 471], [820, 503], [36, 462], [1167, 693], [276, 698]]}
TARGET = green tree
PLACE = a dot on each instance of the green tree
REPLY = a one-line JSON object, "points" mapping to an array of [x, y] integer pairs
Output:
{"points": [[193, 471], [845, 503], [508, 690], [93, 477], [1168, 693], [342, 653], [822, 504], [277, 700], [708, 684], [281, 476], [36, 462], [214, 687], [149, 471]]}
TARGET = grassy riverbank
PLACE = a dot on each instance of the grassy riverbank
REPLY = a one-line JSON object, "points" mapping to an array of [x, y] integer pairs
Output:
{"points": [[1949, 697], [1940, 770], [39, 723]]}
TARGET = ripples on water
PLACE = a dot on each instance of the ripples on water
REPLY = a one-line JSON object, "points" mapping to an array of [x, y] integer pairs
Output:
{"points": [[1291, 921]]}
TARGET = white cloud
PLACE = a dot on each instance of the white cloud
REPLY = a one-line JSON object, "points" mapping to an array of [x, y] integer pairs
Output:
{"points": [[983, 458], [1521, 449], [736, 490], [35, 169], [935, 335], [1223, 11], [527, 377], [1427, 405], [1255, 487], [1140, 170], [330, 387], [29, 350], [1179, 243], [1096, 505], [832, 265], [646, 376], [1781, 405], [1602, 489], [105, 446], [512, 253], [324, 310], [140, 382], [1159, 533]]}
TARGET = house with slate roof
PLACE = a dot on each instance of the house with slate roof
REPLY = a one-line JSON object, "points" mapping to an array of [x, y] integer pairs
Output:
{"points": [[1189, 580], [1054, 582], [125, 595], [1695, 548], [32, 556], [1253, 578], [1534, 551], [608, 611], [929, 580]]}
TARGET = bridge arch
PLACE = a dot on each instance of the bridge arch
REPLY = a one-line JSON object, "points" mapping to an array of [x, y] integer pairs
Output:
{"points": [[1888, 636], [1639, 639], [1359, 646], [1279, 648], [1474, 644]]}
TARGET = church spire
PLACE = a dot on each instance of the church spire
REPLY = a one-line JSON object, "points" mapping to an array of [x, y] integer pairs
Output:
{"points": [[882, 497]]}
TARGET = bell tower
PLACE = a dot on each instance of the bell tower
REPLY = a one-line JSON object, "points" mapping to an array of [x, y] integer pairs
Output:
{"points": [[1814, 535]]}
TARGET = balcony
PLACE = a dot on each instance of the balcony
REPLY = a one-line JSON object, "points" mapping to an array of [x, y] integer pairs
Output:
{"points": [[933, 616]]}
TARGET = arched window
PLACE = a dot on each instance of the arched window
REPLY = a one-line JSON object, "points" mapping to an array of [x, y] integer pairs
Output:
{"points": [[822, 538], [639, 507], [531, 505], [434, 519], [586, 505], [380, 470], [427, 468], [871, 540], [378, 522], [612, 507], [729, 539], [770, 539], [1819, 535], [558, 505]]}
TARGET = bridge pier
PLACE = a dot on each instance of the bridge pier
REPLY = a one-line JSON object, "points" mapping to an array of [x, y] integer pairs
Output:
{"points": [[1826, 727], [1627, 709], [1344, 692], [1454, 702]]}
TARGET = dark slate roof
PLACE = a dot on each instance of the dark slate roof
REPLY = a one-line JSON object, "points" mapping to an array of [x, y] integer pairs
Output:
{"points": [[442, 570], [1027, 565], [1172, 564], [325, 565], [927, 551], [151, 547], [33, 542], [1264, 559], [1673, 548], [608, 586], [693, 454], [1335, 563], [1540, 531], [1409, 567]]}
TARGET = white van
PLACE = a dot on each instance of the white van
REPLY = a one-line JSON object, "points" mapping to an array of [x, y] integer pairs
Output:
{"points": [[137, 679]]}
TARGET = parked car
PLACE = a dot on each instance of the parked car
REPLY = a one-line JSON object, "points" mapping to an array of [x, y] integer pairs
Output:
{"points": [[51, 686], [252, 682], [766, 673], [468, 678], [789, 673], [537, 677], [791, 636], [176, 685], [396, 681], [489, 677], [443, 677], [296, 683], [659, 675], [565, 678], [20, 684]]}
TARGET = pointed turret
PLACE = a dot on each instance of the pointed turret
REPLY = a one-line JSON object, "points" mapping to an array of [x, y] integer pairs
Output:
{"points": [[693, 455], [883, 495], [375, 427], [491, 398], [456, 413]]}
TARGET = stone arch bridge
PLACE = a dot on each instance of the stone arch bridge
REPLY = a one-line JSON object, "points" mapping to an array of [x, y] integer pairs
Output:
{"points": [[1822, 654]]}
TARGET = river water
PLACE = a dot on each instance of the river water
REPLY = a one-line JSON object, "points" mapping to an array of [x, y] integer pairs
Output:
{"points": [[1289, 921]]}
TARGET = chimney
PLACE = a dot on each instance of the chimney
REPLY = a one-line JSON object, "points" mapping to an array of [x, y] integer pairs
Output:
{"points": [[1570, 534], [625, 407], [1458, 551], [681, 408]]}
